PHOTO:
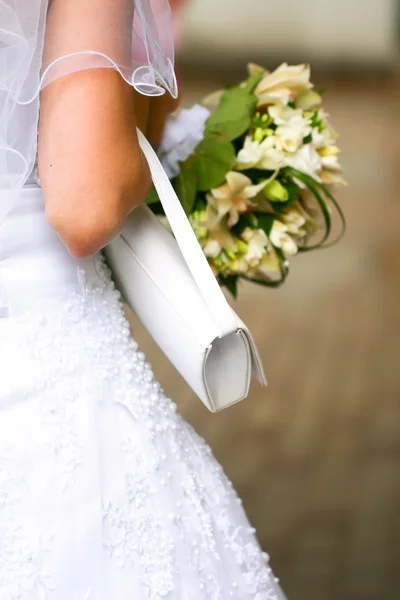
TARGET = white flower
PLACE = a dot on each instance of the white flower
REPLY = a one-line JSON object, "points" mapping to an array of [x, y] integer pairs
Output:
{"points": [[289, 137], [307, 160], [250, 155], [326, 136], [257, 243], [281, 239], [282, 115], [292, 128], [233, 197], [182, 133], [321, 139], [262, 156], [284, 84]]}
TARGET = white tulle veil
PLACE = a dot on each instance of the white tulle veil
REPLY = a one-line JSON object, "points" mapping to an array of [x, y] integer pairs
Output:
{"points": [[136, 40]]}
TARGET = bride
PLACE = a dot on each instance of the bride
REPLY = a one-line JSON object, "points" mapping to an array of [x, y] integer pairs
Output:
{"points": [[105, 492]]}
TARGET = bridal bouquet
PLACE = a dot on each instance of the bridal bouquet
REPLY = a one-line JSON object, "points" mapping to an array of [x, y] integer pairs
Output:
{"points": [[253, 169]]}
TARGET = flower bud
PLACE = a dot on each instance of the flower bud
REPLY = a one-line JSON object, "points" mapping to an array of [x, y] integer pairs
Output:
{"points": [[197, 220], [219, 260], [276, 192], [242, 246], [258, 135]]}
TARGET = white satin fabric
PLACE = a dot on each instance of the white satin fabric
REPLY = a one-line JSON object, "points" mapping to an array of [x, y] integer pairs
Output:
{"points": [[132, 36]]}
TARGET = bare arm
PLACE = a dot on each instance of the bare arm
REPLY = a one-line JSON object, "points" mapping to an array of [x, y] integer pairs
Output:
{"points": [[91, 169]]}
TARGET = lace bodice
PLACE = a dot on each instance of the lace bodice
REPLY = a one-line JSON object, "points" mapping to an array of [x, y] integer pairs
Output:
{"points": [[106, 493]]}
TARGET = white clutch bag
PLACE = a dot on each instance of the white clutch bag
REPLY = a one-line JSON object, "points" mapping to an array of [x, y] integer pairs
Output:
{"points": [[168, 283]]}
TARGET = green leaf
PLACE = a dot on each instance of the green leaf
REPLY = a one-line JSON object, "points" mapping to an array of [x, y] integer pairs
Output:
{"points": [[152, 198], [186, 185], [310, 183], [308, 139], [232, 117], [265, 222], [245, 220], [318, 190], [253, 81], [157, 208], [271, 283], [339, 211], [230, 283], [292, 188], [213, 158]]}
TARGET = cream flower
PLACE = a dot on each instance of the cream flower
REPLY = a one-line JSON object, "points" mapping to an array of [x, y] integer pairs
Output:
{"points": [[253, 68], [295, 221], [307, 160], [308, 100], [330, 158], [332, 178], [212, 248], [331, 163], [212, 100], [292, 128], [269, 263], [264, 155], [281, 239], [257, 243], [331, 167], [284, 84], [233, 197]]}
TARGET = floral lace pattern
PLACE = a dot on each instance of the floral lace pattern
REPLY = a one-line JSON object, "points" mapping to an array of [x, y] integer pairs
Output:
{"points": [[22, 560], [138, 495]]}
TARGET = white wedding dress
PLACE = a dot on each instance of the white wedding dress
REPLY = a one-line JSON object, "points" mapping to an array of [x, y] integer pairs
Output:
{"points": [[106, 493]]}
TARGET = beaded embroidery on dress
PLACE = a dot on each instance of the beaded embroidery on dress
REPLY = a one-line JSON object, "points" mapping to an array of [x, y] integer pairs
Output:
{"points": [[105, 491]]}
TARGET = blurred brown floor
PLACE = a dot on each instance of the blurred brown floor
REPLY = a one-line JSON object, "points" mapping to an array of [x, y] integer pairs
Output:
{"points": [[316, 457]]}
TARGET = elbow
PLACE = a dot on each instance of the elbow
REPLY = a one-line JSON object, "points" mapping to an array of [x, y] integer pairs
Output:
{"points": [[84, 235], [82, 244]]}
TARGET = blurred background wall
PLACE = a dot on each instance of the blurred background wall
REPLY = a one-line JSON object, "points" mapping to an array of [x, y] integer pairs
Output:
{"points": [[356, 32], [316, 457]]}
